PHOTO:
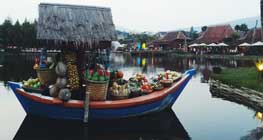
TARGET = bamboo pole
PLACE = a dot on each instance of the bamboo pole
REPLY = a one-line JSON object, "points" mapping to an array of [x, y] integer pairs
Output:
{"points": [[86, 107]]}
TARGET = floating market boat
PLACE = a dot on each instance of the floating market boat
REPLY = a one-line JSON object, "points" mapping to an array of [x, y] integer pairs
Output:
{"points": [[37, 104]]}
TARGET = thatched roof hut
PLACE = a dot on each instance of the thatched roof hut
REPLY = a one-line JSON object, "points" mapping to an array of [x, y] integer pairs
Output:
{"points": [[73, 25]]}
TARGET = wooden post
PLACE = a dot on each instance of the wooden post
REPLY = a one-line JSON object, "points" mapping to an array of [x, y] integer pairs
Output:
{"points": [[86, 108]]}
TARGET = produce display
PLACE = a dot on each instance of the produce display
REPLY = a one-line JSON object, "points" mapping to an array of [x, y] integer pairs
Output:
{"points": [[60, 88], [169, 75], [140, 77], [146, 88], [139, 85], [99, 81], [72, 71], [32, 83], [61, 69], [64, 94], [157, 86], [99, 75], [166, 82], [120, 88]]}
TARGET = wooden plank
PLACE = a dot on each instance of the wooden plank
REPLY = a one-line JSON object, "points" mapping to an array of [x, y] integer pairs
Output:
{"points": [[86, 107]]}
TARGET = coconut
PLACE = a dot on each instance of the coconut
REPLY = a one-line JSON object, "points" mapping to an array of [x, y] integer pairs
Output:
{"points": [[64, 94], [61, 82], [53, 91], [61, 69]]}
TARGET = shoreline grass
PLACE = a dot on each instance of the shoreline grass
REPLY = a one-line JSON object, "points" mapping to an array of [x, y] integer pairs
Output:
{"points": [[241, 77]]}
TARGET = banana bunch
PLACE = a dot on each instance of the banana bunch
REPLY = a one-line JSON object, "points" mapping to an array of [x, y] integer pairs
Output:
{"points": [[72, 71]]}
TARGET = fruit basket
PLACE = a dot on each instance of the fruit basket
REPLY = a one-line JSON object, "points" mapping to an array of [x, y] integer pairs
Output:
{"points": [[97, 89], [166, 83], [46, 76], [157, 86], [32, 85], [146, 88], [120, 90]]}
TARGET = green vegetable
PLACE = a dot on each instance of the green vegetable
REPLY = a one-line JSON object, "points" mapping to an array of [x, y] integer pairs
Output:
{"points": [[96, 74], [101, 78], [95, 78], [89, 77], [35, 86]]}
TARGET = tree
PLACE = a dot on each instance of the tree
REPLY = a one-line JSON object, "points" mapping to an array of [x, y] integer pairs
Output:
{"points": [[29, 34], [235, 36], [237, 28], [17, 35], [6, 32], [243, 27], [204, 28], [20, 35]]}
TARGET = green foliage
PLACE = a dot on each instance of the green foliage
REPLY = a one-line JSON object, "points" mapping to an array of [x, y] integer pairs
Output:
{"points": [[243, 27], [20, 35], [235, 36], [241, 77], [237, 28]]}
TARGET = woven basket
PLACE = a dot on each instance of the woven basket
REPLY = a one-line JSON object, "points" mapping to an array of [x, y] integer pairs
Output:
{"points": [[46, 76], [98, 90]]}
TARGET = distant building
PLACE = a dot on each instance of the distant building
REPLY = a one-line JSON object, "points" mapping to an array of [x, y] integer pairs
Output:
{"points": [[252, 36], [215, 34], [121, 35], [172, 40], [160, 34]]}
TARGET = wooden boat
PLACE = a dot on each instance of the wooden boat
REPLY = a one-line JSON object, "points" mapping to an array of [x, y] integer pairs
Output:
{"points": [[50, 107], [159, 126]]}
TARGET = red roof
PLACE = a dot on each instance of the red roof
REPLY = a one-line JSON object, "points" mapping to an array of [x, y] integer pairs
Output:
{"points": [[178, 35], [215, 34]]}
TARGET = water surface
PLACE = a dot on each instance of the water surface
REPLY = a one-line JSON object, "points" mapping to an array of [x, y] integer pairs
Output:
{"points": [[200, 116]]}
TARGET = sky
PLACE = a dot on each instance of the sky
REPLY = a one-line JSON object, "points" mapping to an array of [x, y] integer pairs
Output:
{"points": [[148, 15]]}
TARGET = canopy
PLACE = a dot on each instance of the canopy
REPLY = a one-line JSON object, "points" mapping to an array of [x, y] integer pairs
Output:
{"points": [[194, 45], [74, 24], [244, 44], [222, 44], [259, 43], [212, 45], [202, 44]]}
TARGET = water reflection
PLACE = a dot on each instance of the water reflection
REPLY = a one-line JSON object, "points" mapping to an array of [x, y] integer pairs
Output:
{"points": [[17, 67], [257, 133], [159, 126]]}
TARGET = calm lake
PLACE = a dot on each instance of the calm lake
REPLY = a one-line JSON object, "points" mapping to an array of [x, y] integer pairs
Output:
{"points": [[196, 114]]}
